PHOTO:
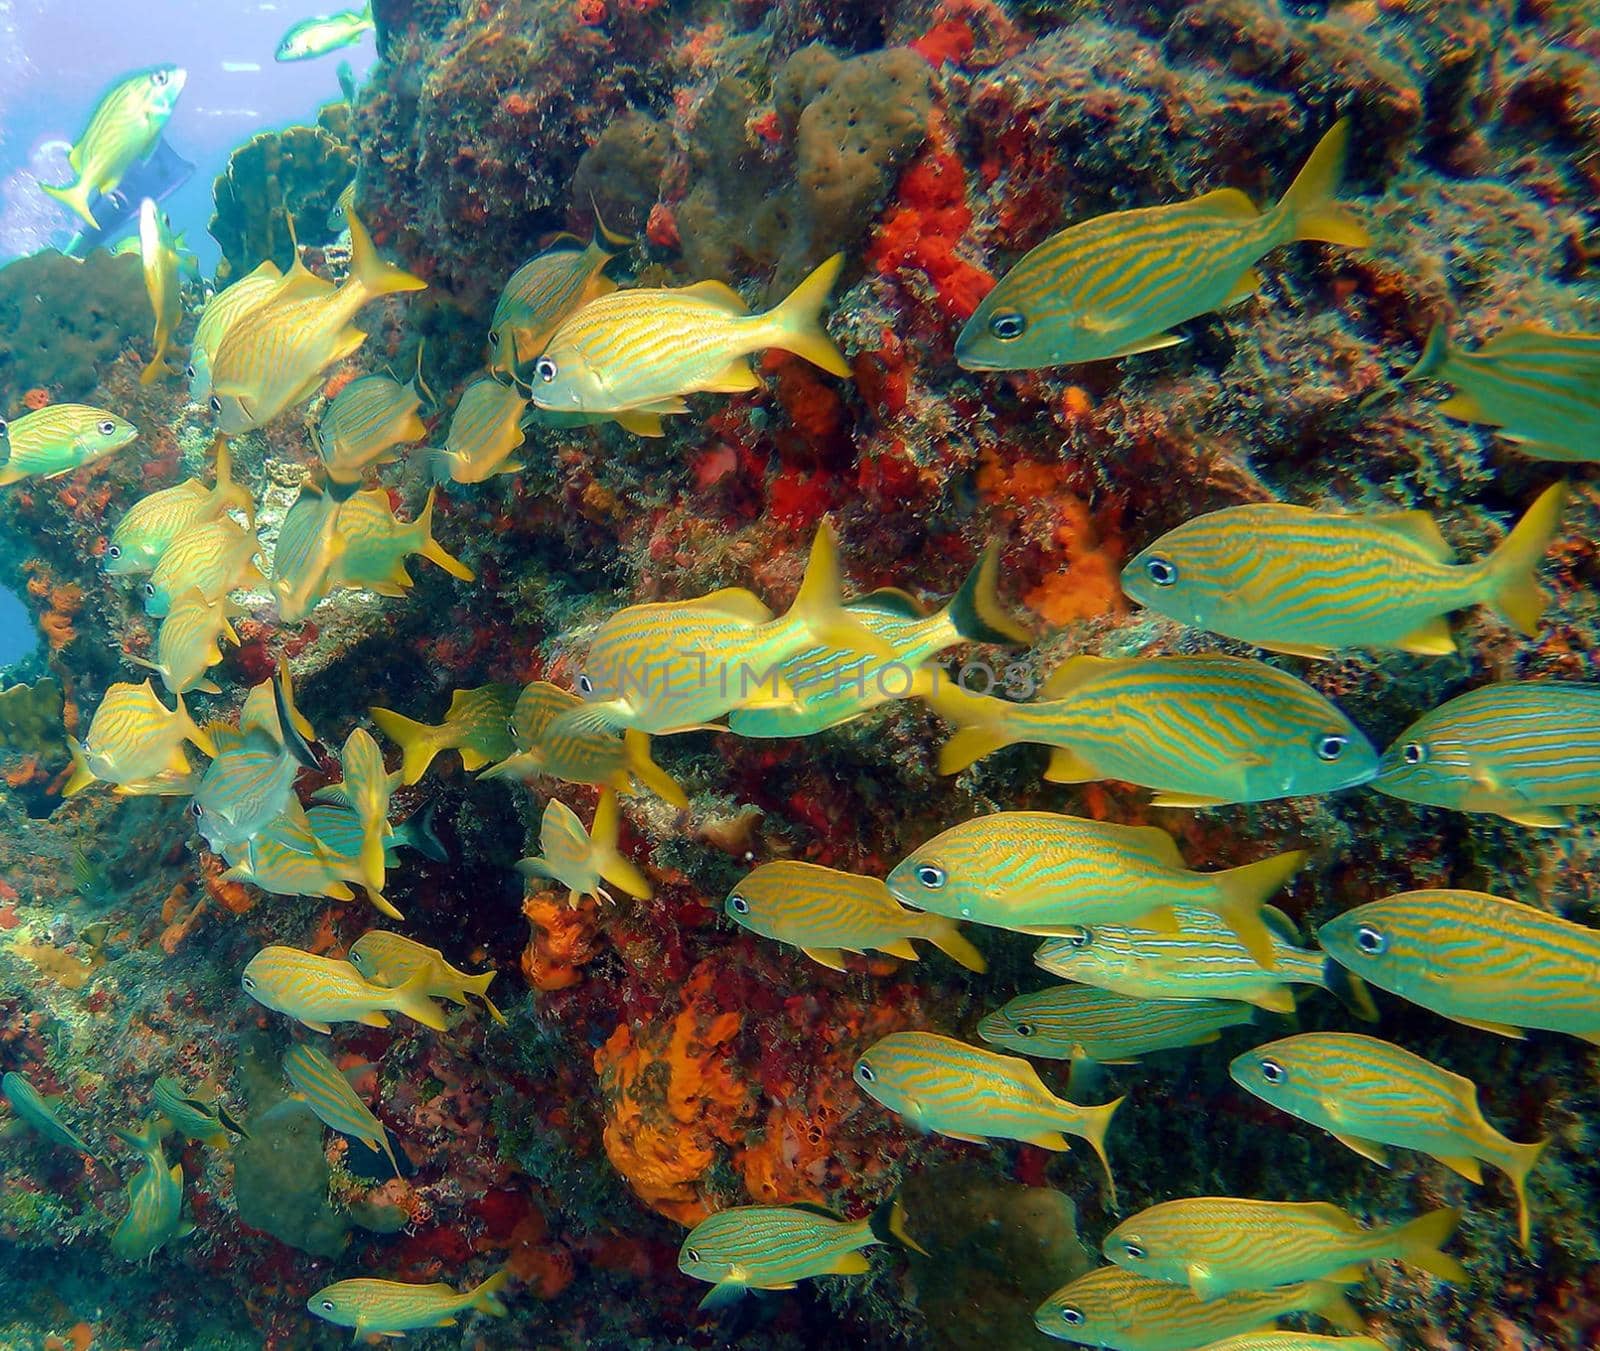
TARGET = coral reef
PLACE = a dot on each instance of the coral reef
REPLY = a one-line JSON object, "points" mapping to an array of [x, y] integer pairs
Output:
{"points": [[296, 173], [63, 322]]}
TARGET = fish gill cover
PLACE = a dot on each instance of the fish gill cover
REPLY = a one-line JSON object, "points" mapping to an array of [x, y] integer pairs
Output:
{"points": [[1173, 418]]}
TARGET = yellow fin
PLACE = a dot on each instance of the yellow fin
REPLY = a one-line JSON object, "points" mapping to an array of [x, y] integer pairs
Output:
{"points": [[1279, 999], [1484, 1025], [1308, 204], [735, 601], [719, 294], [1186, 800], [1228, 202], [735, 378], [1068, 766], [829, 957], [1074, 673], [899, 947], [1433, 639], [967, 745], [1463, 1164], [640, 424], [795, 324], [1244, 288], [1368, 1149], [1154, 343], [1513, 569], [1462, 406], [1421, 529], [849, 1264], [1538, 818]]}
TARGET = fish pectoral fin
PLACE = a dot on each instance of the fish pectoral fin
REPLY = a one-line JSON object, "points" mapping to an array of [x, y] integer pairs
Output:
{"points": [[734, 378], [1162, 920], [1068, 766], [1539, 818], [319, 1027], [1151, 344], [1244, 288], [1463, 1164], [1184, 800], [961, 1135], [1484, 1025], [1433, 639], [722, 1294], [1202, 1281], [1368, 1149], [642, 424], [1462, 406], [829, 957], [1279, 999]]}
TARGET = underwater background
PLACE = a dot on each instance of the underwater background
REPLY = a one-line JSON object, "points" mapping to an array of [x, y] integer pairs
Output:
{"points": [[660, 1060]]}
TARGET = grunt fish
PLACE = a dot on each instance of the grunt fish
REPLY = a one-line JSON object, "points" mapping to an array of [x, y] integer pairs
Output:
{"points": [[327, 1092], [392, 959], [316, 37], [155, 1198], [1086, 1023], [123, 129], [364, 423], [581, 859], [364, 789], [485, 428], [59, 438], [158, 256], [189, 643], [374, 544], [38, 1112], [476, 725], [319, 991], [205, 1120], [150, 525], [211, 557], [393, 1308], [135, 742]]}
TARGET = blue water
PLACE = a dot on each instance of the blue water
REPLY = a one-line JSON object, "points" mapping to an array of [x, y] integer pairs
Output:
{"points": [[17, 637]]}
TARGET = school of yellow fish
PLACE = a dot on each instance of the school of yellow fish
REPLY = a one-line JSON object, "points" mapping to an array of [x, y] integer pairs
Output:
{"points": [[1154, 955]]}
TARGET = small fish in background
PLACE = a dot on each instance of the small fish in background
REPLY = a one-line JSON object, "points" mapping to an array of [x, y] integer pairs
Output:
{"points": [[305, 551], [394, 1308], [1200, 731], [485, 429], [211, 557], [123, 130], [748, 1248], [287, 858], [545, 742], [475, 725], [338, 831], [1219, 1245], [1294, 1341], [198, 1118], [1539, 389], [328, 1093], [158, 257], [826, 913], [189, 643], [1369, 1094], [1526, 750], [319, 991], [150, 525], [365, 789], [1491, 963], [364, 424], [939, 1084], [634, 354], [135, 742], [1112, 286], [347, 87], [392, 959], [1120, 1311], [545, 290], [581, 859], [1203, 959], [1045, 873], [157, 176], [311, 38], [1309, 583], [59, 438], [37, 1112], [155, 1197], [374, 544]]}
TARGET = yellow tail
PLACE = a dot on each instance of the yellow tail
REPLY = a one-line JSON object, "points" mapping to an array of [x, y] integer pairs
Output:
{"points": [[485, 1297], [967, 745], [795, 323], [75, 197], [1241, 892], [636, 749], [1327, 1301], [228, 493], [433, 551], [975, 611], [412, 1000], [1418, 1244], [194, 732], [417, 741], [603, 836], [479, 986], [368, 271], [1511, 572], [82, 776], [1518, 1163], [819, 609], [1091, 1123], [1308, 207]]}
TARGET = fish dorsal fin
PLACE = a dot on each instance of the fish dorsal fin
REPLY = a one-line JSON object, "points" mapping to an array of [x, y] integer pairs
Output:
{"points": [[889, 600], [1330, 1214], [1226, 202], [719, 294], [1421, 529], [1160, 846], [1280, 924], [1074, 673], [735, 601], [812, 1208]]}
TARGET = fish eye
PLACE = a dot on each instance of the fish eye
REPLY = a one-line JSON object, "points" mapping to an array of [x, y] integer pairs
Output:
{"points": [[738, 905], [1073, 1318], [1161, 571], [1134, 1251], [545, 369], [585, 685], [158, 79], [150, 588], [1370, 941], [693, 1254], [1414, 753], [864, 1072], [189, 372], [197, 809], [1079, 938], [1332, 747], [216, 405], [4, 426], [1007, 324], [249, 982], [1025, 1029], [327, 1306], [106, 427], [931, 876], [1273, 1072], [114, 551]]}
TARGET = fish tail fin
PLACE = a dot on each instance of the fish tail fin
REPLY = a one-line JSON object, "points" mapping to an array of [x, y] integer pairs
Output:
{"points": [[636, 750], [887, 1224], [1308, 205], [967, 745], [1435, 351], [82, 776], [945, 934], [1518, 1162], [486, 1297], [1243, 891], [1331, 1304], [435, 552], [293, 730], [1512, 570], [370, 272], [1350, 990], [975, 611], [75, 197], [820, 610], [194, 732], [418, 742], [419, 832], [152, 372], [1092, 1123], [610, 241], [228, 491], [412, 1000], [479, 986], [604, 835], [1418, 1244], [796, 321]]}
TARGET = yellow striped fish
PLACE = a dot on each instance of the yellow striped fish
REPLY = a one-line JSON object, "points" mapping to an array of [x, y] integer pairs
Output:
{"points": [[158, 257], [59, 438], [1199, 730], [124, 129], [189, 643], [249, 785], [1369, 1094], [286, 858], [1044, 873], [338, 831], [832, 687], [1120, 1311], [304, 552], [1482, 960], [1536, 387], [968, 1093], [1218, 1245], [1294, 1341], [328, 1093], [545, 290], [155, 1198], [477, 724], [1202, 960], [826, 913], [365, 788], [158, 518], [1526, 750], [318, 991], [635, 354], [581, 859], [219, 314], [1084, 1022], [1112, 286], [772, 1247], [375, 544], [1310, 582], [392, 959], [547, 743], [367, 419], [136, 742], [673, 666], [485, 428], [211, 557], [199, 1119], [393, 1308], [273, 357], [38, 1112]]}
